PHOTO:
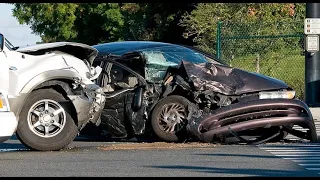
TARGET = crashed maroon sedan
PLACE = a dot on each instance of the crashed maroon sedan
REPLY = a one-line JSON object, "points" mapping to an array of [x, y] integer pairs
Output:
{"points": [[179, 92]]}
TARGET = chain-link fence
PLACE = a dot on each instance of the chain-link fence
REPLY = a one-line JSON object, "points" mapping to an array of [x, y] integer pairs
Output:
{"points": [[253, 48]]}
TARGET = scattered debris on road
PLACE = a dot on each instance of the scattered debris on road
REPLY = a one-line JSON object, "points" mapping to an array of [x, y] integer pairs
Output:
{"points": [[156, 145]]}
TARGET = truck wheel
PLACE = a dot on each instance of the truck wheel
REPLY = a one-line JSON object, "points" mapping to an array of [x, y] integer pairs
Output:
{"points": [[169, 118], [45, 121]]}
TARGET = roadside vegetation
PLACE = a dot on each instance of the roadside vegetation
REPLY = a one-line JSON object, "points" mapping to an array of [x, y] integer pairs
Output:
{"points": [[288, 67]]}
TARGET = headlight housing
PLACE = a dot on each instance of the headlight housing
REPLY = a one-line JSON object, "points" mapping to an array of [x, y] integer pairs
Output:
{"points": [[277, 95], [3, 103]]}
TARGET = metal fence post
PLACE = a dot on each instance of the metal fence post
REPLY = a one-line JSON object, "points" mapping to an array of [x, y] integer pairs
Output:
{"points": [[218, 44], [312, 65]]}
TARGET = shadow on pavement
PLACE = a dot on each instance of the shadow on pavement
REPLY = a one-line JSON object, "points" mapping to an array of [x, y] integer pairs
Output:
{"points": [[12, 147], [242, 171], [238, 155]]}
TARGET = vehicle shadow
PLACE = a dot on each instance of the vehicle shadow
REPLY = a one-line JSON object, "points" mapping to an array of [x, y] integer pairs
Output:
{"points": [[13, 144], [241, 171], [12, 147], [92, 133], [238, 155]]}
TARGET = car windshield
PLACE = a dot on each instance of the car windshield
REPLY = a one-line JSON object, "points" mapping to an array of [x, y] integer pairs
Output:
{"points": [[171, 52], [210, 57], [176, 54]]}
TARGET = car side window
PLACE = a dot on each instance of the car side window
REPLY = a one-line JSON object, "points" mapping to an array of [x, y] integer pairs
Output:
{"points": [[118, 78]]}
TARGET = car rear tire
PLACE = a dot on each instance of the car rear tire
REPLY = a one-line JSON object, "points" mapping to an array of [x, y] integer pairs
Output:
{"points": [[45, 121], [169, 118]]}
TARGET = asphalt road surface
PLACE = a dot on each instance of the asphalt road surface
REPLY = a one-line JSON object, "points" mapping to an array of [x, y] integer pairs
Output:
{"points": [[132, 159]]}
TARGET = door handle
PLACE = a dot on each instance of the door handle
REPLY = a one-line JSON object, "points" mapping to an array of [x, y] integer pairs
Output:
{"points": [[12, 68]]}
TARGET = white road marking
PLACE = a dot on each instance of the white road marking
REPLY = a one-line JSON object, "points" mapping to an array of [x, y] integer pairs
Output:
{"points": [[305, 160], [314, 169], [291, 147], [309, 164], [299, 155], [292, 150], [305, 155]]}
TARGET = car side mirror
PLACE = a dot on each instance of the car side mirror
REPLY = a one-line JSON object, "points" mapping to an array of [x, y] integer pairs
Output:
{"points": [[137, 99], [2, 42]]}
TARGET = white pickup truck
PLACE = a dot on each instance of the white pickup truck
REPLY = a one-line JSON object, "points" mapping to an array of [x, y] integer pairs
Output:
{"points": [[51, 91]]}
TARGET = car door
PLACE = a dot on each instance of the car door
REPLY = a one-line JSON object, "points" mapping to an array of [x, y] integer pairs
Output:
{"points": [[4, 68], [123, 113]]}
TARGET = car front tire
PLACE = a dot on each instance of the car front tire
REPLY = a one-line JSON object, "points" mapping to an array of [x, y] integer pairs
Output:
{"points": [[45, 121], [169, 118]]}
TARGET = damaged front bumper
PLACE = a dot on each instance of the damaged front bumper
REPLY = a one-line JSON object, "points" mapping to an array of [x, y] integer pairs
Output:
{"points": [[242, 116], [89, 104]]}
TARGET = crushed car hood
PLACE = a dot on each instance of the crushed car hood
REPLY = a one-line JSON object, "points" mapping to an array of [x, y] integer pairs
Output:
{"points": [[79, 50], [227, 80]]}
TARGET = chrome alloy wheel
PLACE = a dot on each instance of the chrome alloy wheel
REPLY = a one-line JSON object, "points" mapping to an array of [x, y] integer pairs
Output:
{"points": [[172, 117], [46, 118]]}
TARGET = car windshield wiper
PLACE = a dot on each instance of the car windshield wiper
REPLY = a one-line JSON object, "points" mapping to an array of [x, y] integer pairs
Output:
{"points": [[15, 48], [9, 45]]}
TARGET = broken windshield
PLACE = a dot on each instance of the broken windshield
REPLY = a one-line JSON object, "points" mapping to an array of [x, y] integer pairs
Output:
{"points": [[158, 59], [175, 54]]}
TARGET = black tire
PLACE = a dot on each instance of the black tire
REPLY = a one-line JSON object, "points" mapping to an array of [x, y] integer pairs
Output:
{"points": [[64, 136], [178, 134]]}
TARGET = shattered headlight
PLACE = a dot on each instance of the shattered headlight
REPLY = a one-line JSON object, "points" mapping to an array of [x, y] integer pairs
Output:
{"points": [[277, 95]]}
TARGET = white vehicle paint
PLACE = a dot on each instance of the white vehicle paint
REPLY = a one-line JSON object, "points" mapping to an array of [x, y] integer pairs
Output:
{"points": [[8, 121], [61, 68]]}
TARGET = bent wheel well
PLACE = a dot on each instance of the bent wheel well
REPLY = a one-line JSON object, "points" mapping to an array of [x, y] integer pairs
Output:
{"points": [[182, 92]]}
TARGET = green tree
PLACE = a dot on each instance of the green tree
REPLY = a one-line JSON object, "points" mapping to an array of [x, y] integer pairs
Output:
{"points": [[277, 57], [87, 23], [242, 19], [93, 23], [155, 21]]}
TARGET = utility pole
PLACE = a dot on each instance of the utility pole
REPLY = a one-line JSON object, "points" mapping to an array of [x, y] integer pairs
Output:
{"points": [[312, 55]]}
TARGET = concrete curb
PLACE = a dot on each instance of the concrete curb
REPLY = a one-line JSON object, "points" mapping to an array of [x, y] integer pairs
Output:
{"points": [[315, 113]]}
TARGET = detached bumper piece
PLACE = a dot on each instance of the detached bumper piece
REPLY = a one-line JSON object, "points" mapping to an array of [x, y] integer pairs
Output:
{"points": [[258, 116]]}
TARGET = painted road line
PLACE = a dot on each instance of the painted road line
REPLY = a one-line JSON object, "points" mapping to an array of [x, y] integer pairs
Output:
{"points": [[291, 147], [299, 155], [292, 150], [309, 164], [305, 160], [306, 156], [288, 144], [313, 169], [284, 147]]}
